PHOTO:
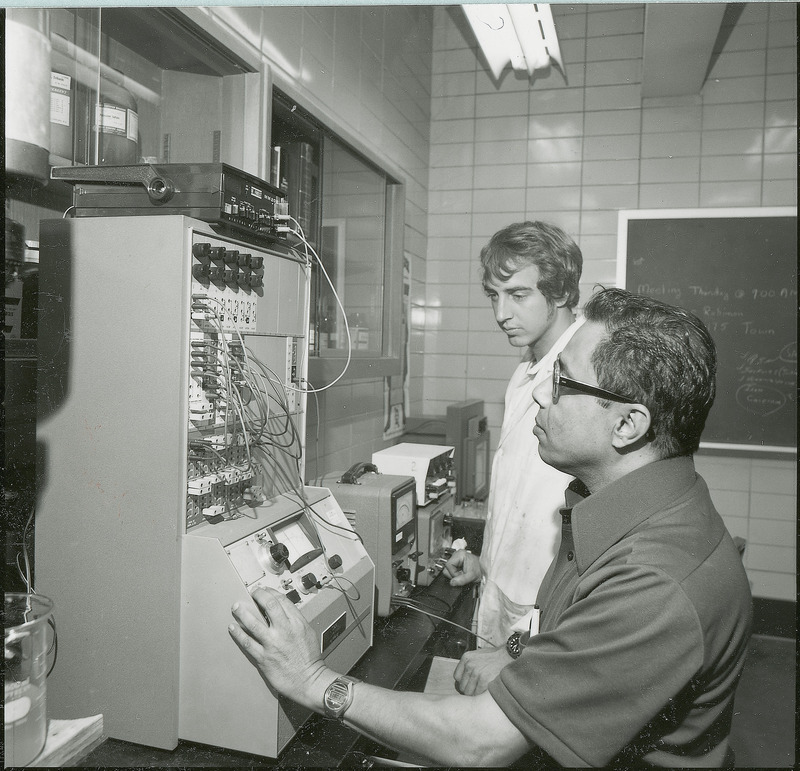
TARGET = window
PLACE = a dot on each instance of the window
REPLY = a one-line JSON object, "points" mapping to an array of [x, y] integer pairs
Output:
{"points": [[144, 85], [348, 209]]}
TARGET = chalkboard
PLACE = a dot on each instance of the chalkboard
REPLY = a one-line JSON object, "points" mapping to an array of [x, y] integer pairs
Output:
{"points": [[736, 269]]}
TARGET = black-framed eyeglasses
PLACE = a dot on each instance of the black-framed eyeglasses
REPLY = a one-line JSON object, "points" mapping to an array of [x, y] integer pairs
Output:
{"points": [[584, 388]]}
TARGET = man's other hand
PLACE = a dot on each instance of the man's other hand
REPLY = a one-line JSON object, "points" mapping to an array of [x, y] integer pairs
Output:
{"points": [[283, 647], [463, 568], [478, 668]]}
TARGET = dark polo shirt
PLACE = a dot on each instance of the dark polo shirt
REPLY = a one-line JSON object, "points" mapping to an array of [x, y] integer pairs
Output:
{"points": [[646, 614]]}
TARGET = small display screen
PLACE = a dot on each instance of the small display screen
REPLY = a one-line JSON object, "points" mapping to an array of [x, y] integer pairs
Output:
{"points": [[404, 511], [294, 538]]}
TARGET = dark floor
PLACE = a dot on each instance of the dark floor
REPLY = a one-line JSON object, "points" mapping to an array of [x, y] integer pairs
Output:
{"points": [[764, 717], [763, 725]]}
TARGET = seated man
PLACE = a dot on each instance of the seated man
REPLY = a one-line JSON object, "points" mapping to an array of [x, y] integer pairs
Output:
{"points": [[645, 611]]}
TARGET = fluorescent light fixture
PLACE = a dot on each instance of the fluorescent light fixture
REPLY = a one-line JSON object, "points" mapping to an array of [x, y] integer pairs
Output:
{"points": [[522, 35]]}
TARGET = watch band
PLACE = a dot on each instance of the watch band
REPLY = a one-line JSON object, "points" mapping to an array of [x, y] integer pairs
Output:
{"points": [[339, 696], [513, 647]]}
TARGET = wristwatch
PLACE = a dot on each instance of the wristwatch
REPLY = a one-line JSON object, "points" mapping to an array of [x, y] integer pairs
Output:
{"points": [[339, 696], [513, 647]]}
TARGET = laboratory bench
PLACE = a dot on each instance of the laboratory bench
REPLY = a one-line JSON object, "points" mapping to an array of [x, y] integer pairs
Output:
{"points": [[404, 645]]}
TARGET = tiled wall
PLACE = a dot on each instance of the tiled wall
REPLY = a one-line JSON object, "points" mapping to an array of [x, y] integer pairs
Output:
{"points": [[365, 72], [574, 153]]}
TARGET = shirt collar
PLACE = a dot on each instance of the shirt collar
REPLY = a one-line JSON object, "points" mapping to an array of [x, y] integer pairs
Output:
{"points": [[548, 359], [600, 520]]}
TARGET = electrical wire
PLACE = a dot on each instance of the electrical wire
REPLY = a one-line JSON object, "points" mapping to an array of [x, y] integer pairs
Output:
{"points": [[418, 600], [299, 234], [407, 603], [28, 580]]}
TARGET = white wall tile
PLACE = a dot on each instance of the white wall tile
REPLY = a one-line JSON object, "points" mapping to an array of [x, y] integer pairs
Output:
{"points": [[725, 194], [773, 506], [734, 144], [777, 586], [555, 149], [619, 147], [780, 140], [772, 532], [554, 174], [677, 144], [614, 47], [731, 168], [609, 122], [778, 559], [669, 196], [736, 526], [493, 176], [724, 473], [503, 200], [779, 193], [661, 170], [731, 503], [613, 172], [505, 152]]}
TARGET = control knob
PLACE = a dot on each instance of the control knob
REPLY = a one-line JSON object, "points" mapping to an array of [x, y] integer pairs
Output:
{"points": [[279, 554], [308, 581]]}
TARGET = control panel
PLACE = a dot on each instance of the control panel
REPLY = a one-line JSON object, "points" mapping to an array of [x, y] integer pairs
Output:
{"points": [[382, 509], [240, 403], [301, 545], [172, 418], [231, 200], [434, 538], [290, 557]]}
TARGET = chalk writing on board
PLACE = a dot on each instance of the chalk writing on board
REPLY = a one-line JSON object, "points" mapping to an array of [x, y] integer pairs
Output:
{"points": [[737, 271], [762, 380]]}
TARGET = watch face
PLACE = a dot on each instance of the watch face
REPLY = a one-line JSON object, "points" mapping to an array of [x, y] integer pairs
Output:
{"points": [[336, 696]]}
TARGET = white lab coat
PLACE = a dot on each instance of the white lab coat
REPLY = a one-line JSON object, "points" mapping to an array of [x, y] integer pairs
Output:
{"points": [[523, 525]]}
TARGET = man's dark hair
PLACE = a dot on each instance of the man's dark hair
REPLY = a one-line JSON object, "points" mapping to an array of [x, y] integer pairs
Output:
{"points": [[663, 357], [546, 246]]}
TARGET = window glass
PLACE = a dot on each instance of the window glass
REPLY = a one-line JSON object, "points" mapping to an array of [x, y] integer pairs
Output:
{"points": [[352, 251]]}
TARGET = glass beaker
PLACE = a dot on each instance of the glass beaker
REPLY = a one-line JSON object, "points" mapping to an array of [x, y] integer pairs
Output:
{"points": [[25, 622]]}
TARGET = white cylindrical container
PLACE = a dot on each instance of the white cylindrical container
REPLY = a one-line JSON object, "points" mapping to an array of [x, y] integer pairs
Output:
{"points": [[27, 107]]}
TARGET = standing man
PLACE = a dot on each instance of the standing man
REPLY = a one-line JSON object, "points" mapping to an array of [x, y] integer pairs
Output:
{"points": [[646, 609], [531, 272]]}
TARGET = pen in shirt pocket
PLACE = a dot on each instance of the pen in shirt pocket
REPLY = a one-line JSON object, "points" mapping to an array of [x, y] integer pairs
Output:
{"points": [[534, 625]]}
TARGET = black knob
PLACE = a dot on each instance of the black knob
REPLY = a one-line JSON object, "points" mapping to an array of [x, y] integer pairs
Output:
{"points": [[403, 574], [231, 256], [202, 252], [293, 595], [309, 581], [334, 562], [279, 553]]}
